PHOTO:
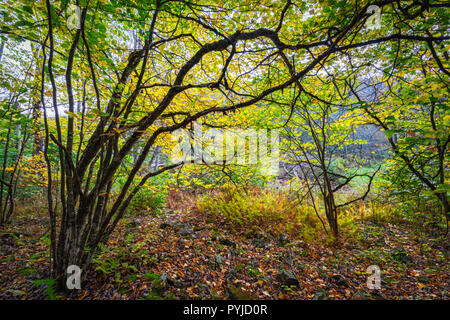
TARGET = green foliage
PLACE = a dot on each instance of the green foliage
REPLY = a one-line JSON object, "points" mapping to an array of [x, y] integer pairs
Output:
{"points": [[107, 266], [27, 272], [109, 261], [49, 285], [152, 197], [253, 271], [257, 209], [412, 199], [158, 287], [148, 200]]}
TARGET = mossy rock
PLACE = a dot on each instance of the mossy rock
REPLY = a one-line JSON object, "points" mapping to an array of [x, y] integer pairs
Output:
{"points": [[235, 293]]}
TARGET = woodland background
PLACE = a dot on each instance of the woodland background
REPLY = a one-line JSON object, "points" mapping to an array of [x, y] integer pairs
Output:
{"points": [[93, 92]]}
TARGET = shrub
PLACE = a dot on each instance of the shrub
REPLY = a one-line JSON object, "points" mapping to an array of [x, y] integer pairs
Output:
{"points": [[259, 209], [150, 200]]}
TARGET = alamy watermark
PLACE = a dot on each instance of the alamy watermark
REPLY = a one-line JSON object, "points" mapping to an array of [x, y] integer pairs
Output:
{"points": [[374, 21], [74, 16], [230, 146], [73, 277], [374, 280]]}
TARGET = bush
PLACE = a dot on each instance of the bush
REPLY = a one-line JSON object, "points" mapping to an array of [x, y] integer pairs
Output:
{"points": [[149, 200], [259, 209], [152, 197], [414, 200]]}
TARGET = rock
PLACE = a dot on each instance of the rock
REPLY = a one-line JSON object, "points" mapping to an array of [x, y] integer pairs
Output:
{"points": [[164, 225], [423, 279], [161, 283], [259, 235], [205, 290], [235, 293], [199, 228], [340, 280], [164, 280], [287, 278], [167, 224], [323, 274], [234, 252], [260, 240], [377, 295], [135, 223], [219, 259], [214, 295], [282, 240], [163, 277], [261, 243], [177, 283], [227, 242], [399, 254], [321, 295], [185, 230]]}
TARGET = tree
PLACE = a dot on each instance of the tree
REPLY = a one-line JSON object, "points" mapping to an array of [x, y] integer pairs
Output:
{"points": [[15, 127], [412, 109]]}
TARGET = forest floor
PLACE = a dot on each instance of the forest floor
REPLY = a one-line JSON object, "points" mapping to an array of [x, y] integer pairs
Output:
{"points": [[188, 255]]}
